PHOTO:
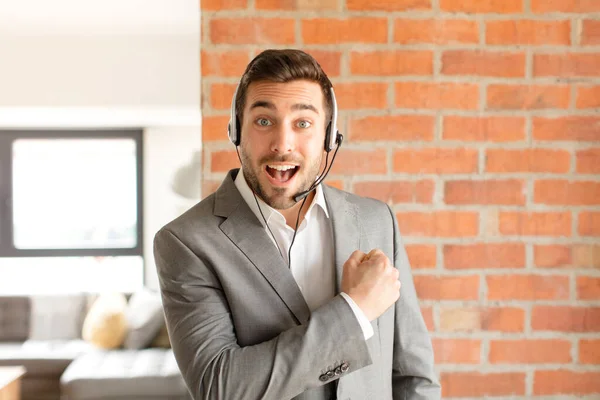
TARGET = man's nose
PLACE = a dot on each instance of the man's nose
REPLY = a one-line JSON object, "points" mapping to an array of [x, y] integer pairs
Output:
{"points": [[283, 140]]}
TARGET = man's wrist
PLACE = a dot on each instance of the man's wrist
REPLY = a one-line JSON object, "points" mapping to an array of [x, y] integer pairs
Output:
{"points": [[362, 319]]}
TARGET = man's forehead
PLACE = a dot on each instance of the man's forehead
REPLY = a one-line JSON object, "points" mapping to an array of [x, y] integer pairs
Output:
{"points": [[291, 93]]}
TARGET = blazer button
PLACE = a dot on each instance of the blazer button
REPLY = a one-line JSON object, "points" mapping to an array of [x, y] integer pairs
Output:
{"points": [[344, 367], [337, 371], [330, 374], [323, 378]]}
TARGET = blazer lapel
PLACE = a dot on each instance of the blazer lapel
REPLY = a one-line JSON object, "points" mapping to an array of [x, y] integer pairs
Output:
{"points": [[346, 229], [247, 233]]}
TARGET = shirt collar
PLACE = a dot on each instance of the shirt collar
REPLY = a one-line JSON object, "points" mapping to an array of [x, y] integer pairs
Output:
{"points": [[268, 211]]}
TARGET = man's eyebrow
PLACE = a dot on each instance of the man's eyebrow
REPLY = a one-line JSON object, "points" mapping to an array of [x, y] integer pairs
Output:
{"points": [[295, 107], [262, 103], [304, 106]]}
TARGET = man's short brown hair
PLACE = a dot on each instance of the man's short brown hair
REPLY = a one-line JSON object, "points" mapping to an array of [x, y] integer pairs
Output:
{"points": [[282, 66]]}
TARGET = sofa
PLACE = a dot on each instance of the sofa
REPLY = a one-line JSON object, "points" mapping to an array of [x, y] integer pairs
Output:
{"points": [[44, 334]]}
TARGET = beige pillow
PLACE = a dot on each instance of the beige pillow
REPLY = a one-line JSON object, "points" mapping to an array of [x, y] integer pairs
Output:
{"points": [[144, 318], [162, 339], [105, 325]]}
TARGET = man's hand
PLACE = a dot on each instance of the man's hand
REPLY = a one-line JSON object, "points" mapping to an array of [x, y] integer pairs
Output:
{"points": [[371, 281]]}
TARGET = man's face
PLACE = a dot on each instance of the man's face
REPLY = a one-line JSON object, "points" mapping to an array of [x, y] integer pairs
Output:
{"points": [[283, 131]]}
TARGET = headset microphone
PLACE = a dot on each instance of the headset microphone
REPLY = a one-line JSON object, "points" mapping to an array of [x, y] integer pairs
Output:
{"points": [[302, 195]]}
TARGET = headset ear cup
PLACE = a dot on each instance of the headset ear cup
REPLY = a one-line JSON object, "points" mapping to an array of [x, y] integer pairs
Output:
{"points": [[238, 131], [328, 137]]}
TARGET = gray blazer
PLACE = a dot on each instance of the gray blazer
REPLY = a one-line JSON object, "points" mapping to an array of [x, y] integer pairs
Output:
{"points": [[241, 329]]}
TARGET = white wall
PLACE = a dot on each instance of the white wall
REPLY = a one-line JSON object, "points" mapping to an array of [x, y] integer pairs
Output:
{"points": [[99, 71]]}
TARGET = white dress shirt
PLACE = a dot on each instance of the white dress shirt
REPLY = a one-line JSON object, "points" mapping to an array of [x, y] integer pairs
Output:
{"points": [[313, 255]]}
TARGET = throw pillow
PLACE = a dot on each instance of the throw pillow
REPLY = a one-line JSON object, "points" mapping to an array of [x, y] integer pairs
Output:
{"points": [[57, 317], [105, 325], [144, 318], [162, 339]]}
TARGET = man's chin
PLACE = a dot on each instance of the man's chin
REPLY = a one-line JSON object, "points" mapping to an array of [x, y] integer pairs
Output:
{"points": [[280, 201]]}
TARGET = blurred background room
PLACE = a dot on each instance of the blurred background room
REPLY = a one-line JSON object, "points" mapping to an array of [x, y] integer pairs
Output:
{"points": [[99, 147]]}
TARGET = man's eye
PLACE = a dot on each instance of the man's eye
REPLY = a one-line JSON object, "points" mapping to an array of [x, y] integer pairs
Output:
{"points": [[304, 124], [263, 122]]}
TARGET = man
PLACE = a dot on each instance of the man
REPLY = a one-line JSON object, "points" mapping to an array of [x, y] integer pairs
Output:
{"points": [[277, 287]]}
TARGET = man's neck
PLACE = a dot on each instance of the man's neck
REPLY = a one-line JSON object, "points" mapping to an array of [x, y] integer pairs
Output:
{"points": [[291, 213]]}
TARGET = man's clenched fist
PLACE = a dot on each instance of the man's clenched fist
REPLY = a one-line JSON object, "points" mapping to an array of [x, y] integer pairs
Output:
{"points": [[371, 281]]}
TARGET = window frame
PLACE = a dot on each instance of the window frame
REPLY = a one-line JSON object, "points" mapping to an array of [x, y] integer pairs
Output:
{"points": [[7, 138]]}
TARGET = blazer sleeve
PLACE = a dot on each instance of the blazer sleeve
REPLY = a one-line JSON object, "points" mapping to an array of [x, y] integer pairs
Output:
{"points": [[413, 375], [203, 338]]}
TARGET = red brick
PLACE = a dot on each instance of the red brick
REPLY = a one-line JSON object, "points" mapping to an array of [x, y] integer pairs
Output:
{"points": [[252, 31], [395, 192], [484, 129], [590, 34], [588, 161], [393, 128], [588, 97], [439, 223], [552, 255], [528, 32], [214, 128], [476, 384], [562, 192], [330, 61], [221, 95], [301, 5], [589, 223], [527, 287], [589, 351], [568, 6], [436, 31], [509, 319], [483, 63], [535, 223], [391, 62], [529, 160], [586, 256], [565, 319], [338, 184], [224, 63], [447, 287], [482, 6], [361, 95], [350, 30], [530, 351], [588, 288], [566, 382], [427, 313], [388, 5], [209, 187], [567, 128], [364, 162], [456, 351], [491, 192], [220, 5], [422, 255], [435, 95], [224, 160], [436, 161], [484, 255], [527, 97], [566, 65]]}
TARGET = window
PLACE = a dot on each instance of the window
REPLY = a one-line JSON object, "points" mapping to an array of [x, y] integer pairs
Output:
{"points": [[71, 193]]}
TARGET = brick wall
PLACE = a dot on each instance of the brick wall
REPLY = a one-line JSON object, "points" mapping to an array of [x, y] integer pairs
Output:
{"points": [[479, 122]]}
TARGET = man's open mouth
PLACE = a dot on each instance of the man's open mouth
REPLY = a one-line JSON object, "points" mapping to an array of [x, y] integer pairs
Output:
{"points": [[282, 173]]}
